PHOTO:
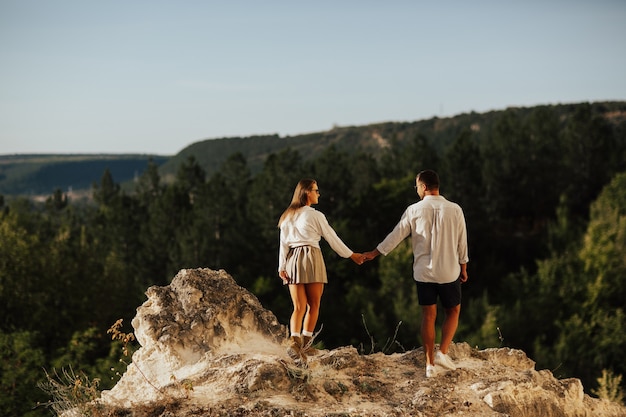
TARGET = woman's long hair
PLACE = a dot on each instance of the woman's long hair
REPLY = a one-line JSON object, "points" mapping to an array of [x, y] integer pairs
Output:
{"points": [[299, 198]]}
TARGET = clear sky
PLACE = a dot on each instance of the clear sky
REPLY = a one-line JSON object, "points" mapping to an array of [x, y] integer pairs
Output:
{"points": [[110, 76]]}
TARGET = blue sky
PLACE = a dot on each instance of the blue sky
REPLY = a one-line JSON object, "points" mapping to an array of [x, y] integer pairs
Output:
{"points": [[83, 76]]}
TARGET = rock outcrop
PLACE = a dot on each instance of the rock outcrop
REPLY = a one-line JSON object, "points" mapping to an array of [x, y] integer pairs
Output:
{"points": [[209, 348]]}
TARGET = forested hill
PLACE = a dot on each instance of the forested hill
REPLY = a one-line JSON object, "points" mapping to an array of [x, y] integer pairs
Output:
{"points": [[33, 175], [439, 133]]}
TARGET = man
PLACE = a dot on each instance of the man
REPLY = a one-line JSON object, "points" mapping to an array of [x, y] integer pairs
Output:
{"points": [[439, 240]]}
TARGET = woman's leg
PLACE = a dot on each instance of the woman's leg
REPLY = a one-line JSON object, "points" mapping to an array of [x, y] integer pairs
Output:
{"points": [[313, 298], [299, 300]]}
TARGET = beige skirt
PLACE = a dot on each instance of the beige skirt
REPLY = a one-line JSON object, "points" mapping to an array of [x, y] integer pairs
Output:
{"points": [[305, 265]]}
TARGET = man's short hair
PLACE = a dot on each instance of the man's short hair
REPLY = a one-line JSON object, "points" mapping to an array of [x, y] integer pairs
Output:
{"points": [[429, 178]]}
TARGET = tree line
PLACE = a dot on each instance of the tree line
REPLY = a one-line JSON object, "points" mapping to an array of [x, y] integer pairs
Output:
{"points": [[544, 199]]}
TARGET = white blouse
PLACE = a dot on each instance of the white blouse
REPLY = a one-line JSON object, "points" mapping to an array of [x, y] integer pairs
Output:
{"points": [[306, 227]]}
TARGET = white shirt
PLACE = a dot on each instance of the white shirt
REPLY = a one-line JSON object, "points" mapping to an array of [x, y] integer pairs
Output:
{"points": [[438, 237], [306, 227]]}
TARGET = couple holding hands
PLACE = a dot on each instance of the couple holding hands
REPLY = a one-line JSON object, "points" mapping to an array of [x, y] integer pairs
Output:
{"points": [[439, 241]]}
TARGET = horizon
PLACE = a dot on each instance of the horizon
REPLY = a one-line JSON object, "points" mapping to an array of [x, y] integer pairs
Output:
{"points": [[116, 154], [152, 78]]}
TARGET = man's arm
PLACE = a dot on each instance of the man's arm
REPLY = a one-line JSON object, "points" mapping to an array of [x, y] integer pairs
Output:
{"points": [[463, 272]]}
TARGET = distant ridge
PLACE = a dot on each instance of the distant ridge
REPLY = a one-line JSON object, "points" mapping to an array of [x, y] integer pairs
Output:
{"points": [[373, 138], [41, 174]]}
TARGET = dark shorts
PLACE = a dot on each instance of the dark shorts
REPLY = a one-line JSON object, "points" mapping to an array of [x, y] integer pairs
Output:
{"points": [[450, 294]]}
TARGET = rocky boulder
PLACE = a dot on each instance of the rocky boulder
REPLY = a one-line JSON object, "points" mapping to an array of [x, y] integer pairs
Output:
{"points": [[209, 348]]}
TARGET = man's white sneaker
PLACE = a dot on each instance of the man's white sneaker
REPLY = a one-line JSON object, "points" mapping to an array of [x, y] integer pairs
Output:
{"points": [[430, 371], [444, 360]]}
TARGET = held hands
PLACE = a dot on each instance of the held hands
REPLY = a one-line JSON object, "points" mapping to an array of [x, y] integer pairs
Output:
{"points": [[371, 254], [360, 258]]}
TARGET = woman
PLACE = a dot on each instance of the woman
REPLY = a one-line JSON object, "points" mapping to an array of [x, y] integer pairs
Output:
{"points": [[300, 262]]}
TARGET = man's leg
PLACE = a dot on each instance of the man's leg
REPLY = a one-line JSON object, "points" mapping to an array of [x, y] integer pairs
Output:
{"points": [[429, 316], [450, 324]]}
